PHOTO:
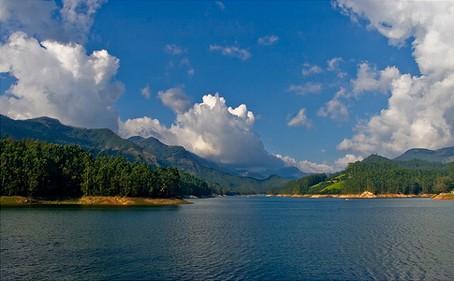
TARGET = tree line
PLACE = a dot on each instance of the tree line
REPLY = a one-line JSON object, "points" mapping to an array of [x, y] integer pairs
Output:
{"points": [[38, 169], [380, 175]]}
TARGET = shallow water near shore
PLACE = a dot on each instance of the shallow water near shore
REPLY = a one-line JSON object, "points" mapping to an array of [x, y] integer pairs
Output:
{"points": [[233, 238]]}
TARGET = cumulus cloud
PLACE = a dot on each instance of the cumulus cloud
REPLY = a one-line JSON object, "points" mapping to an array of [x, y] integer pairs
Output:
{"points": [[146, 92], [175, 99], [342, 162], [212, 130], [335, 108], [306, 88], [59, 80], [309, 69], [300, 119], [144, 126], [38, 18], [307, 166], [420, 109], [369, 79], [268, 40], [231, 51]]}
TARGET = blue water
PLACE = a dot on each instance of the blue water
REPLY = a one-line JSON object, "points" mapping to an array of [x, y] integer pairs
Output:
{"points": [[254, 238]]}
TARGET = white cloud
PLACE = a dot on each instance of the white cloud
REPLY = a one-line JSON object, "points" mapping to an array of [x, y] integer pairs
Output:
{"points": [[38, 18], [309, 69], [306, 88], [146, 92], [174, 49], [333, 64], [175, 99], [268, 40], [420, 109], [231, 51], [335, 108], [60, 81], [145, 127], [210, 129], [78, 17], [300, 119], [342, 162], [307, 166], [369, 79]]}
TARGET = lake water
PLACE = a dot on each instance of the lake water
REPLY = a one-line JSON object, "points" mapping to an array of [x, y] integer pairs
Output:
{"points": [[256, 238]]}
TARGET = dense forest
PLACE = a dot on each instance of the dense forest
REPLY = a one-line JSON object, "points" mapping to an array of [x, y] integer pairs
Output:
{"points": [[38, 169], [378, 175]]}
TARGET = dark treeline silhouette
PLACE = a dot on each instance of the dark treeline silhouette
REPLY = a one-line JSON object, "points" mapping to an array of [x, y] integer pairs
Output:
{"points": [[37, 169]]}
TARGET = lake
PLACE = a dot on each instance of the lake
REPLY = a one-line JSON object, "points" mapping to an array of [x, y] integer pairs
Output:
{"points": [[256, 238]]}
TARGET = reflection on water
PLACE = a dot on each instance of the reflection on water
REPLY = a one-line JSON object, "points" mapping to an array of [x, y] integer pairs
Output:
{"points": [[233, 238]]}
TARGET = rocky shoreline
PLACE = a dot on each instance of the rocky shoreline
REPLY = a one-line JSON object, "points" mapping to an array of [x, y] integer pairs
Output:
{"points": [[369, 195]]}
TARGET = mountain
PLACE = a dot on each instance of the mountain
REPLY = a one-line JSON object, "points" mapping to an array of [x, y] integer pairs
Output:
{"points": [[149, 150], [52, 131], [443, 155]]}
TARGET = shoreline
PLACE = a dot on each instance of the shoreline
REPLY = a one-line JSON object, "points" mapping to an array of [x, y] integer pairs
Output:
{"points": [[369, 195], [91, 201]]}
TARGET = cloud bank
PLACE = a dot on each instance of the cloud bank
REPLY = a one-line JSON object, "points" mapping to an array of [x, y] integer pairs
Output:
{"points": [[211, 129], [420, 111], [69, 22], [59, 80]]}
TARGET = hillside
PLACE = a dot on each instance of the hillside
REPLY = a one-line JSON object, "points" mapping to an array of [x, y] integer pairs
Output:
{"points": [[149, 150], [378, 175], [443, 155]]}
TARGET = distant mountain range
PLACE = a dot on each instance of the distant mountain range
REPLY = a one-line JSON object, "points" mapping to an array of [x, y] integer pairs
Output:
{"points": [[149, 150], [443, 155]]}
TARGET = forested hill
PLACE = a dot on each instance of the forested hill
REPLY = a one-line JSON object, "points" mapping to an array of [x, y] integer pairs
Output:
{"points": [[379, 175], [37, 169], [150, 151]]}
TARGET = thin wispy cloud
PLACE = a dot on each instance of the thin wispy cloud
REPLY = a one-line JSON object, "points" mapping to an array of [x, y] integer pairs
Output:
{"points": [[231, 51], [146, 92], [174, 49], [268, 40], [309, 69], [306, 88], [220, 5]]}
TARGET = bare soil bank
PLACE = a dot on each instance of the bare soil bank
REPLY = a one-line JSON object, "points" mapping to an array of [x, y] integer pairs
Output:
{"points": [[112, 201]]}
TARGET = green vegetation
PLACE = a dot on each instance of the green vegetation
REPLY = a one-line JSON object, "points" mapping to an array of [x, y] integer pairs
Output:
{"points": [[379, 175], [137, 149], [37, 169]]}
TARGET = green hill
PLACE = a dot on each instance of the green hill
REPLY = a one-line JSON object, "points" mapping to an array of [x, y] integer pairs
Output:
{"points": [[379, 175]]}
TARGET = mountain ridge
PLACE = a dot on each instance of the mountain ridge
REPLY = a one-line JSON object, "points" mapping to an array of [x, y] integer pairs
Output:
{"points": [[150, 150]]}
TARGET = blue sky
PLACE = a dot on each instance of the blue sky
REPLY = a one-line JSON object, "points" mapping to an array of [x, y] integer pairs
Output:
{"points": [[317, 84], [309, 32]]}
